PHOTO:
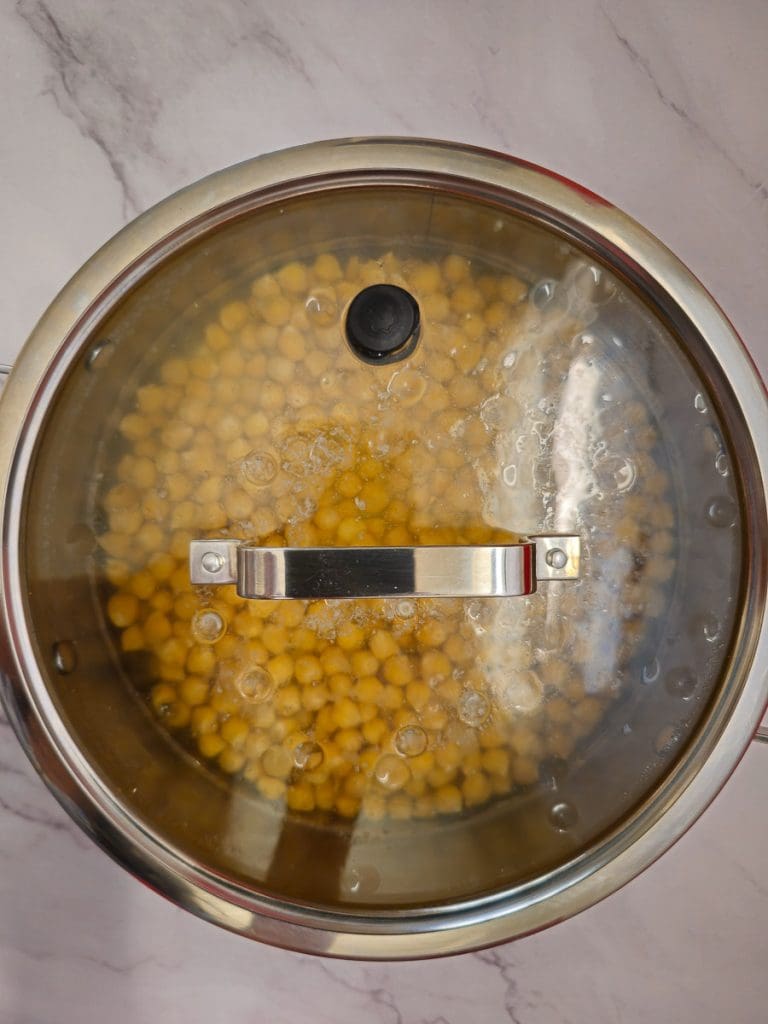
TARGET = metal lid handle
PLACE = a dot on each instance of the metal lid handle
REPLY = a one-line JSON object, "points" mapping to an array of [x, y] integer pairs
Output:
{"points": [[502, 570]]}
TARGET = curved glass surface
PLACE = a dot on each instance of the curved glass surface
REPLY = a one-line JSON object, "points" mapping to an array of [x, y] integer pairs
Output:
{"points": [[400, 752]]}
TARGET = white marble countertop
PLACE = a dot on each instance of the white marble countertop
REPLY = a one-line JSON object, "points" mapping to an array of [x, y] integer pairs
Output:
{"points": [[106, 107]]}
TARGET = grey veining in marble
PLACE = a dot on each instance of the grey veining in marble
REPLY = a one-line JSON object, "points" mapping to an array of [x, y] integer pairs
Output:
{"points": [[108, 106]]}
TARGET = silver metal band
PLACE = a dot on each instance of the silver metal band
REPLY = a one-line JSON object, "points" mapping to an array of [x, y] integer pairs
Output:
{"points": [[503, 570]]}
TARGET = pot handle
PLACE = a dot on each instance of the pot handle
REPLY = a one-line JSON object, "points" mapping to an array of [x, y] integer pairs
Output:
{"points": [[504, 570]]}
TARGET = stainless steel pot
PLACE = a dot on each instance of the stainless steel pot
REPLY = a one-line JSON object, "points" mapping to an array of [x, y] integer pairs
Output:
{"points": [[685, 700]]}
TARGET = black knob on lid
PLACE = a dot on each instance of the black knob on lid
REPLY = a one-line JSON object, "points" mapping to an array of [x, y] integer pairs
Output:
{"points": [[383, 323]]}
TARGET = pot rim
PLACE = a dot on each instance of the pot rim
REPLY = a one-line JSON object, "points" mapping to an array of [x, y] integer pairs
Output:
{"points": [[663, 817]]}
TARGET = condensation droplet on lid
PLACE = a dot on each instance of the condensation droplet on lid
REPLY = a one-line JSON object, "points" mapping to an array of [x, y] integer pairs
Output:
{"points": [[407, 386], [626, 729], [474, 610], [616, 473], [563, 816], [542, 294], [321, 309], [721, 512], [522, 691], [651, 672], [473, 708], [585, 338], [363, 880], [699, 403], [64, 657], [258, 468], [308, 756], [207, 626], [594, 284], [391, 772], [410, 741], [256, 685], [721, 464], [682, 683], [509, 475], [711, 627]]}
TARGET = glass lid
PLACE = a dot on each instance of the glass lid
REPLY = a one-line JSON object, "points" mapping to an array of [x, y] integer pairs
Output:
{"points": [[395, 547]]}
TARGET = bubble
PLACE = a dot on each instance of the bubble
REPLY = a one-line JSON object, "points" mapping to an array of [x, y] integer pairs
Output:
{"points": [[651, 672], [405, 609], [207, 626], [553, 772], [407, 386], [667, 739], [711, 627], [474, 707], [682, 683], [308, 756], [594, 284], [410, 741], [493, 412], [325, 452], [616, 473], [363, 880], [543, 293], [563, 816], [295, 456], [256, 685], [699, 403], [391, 772], [522, 691], [475, 610], [509, 475], [64, 657], [509, 360], [321, 308], [721, 512], [258, 468], [585, 338]]}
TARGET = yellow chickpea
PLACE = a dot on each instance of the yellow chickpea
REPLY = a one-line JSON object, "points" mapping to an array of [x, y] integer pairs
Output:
{"points": [[123, 610], [448, 799], [350, 637], [233, 316]]}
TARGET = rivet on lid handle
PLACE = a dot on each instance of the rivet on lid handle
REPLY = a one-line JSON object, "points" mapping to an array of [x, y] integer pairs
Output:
{"points": [[502, 570]]}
